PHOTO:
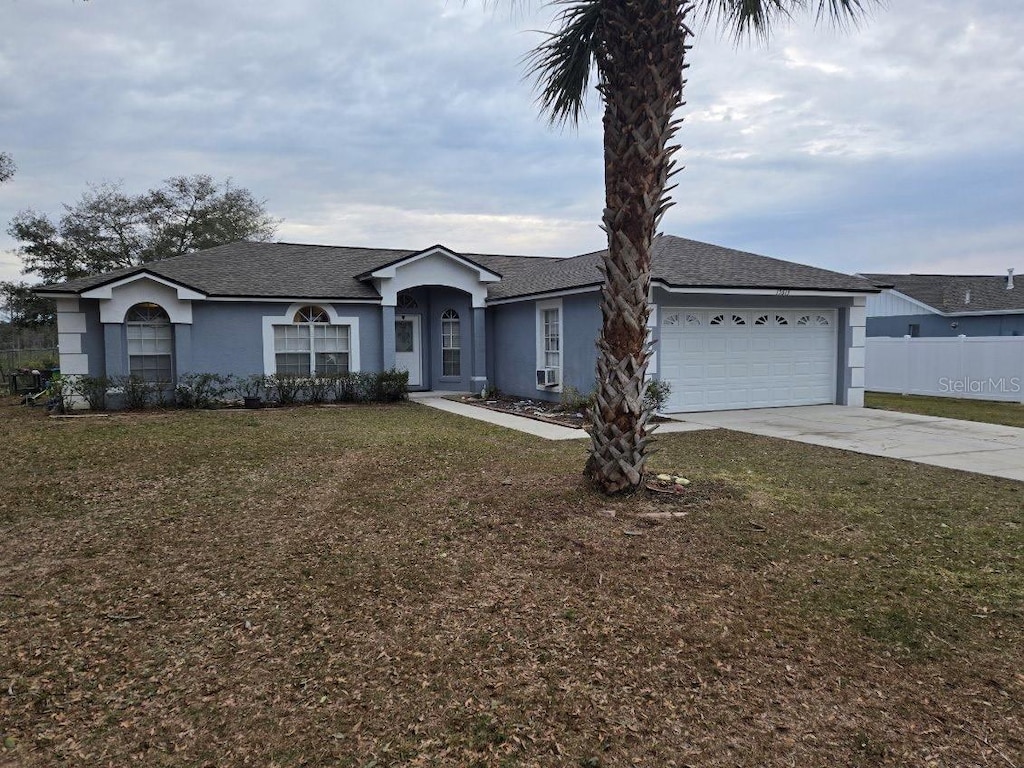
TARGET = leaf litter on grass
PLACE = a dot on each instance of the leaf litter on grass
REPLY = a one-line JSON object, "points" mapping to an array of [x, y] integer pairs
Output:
{"points": [[354, 586]]}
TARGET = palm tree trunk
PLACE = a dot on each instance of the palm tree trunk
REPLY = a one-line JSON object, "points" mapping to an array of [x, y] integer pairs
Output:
{"points": [[640, 65]]}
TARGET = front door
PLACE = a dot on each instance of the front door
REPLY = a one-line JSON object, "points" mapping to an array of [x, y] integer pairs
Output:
{"points": [[407, 348]]}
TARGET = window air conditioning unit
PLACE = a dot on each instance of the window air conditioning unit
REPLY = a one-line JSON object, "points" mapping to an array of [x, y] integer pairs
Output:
{"points": [[547, 377]]}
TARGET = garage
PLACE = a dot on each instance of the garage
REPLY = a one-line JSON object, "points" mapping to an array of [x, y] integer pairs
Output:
{"points": [[722, 359]]}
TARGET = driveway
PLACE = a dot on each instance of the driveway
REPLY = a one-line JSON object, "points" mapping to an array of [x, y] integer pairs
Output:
{"points": [[989, 449]]}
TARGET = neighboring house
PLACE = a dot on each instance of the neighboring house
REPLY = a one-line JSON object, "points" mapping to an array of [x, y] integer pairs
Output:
{"points": [[730, 329], [946, 305]]}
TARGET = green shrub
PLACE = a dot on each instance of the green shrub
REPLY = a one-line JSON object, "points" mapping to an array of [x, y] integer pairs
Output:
{"points": [[573, 400], [361, 387], [135, 391], [201, 390], [318, 389], [59, 391], [656, 395], [94, 390], [251, 386], [284, 388], [163, 394], [391, 386], [354, 387]]}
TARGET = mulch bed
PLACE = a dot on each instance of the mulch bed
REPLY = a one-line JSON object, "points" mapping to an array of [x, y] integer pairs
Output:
{"points": [[540, 410]]}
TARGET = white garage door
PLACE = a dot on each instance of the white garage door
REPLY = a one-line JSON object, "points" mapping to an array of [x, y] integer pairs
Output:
{"points": [[720, 359]]}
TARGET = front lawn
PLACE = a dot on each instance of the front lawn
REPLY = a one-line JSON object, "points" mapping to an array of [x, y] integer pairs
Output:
{"points": [[989, 411], [378, 586]]}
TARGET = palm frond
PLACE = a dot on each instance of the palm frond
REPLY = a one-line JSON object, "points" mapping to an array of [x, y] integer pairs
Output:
{"points": [[757, 18], [562, 65]]}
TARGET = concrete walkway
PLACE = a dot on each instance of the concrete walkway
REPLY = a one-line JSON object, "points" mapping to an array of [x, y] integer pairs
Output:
{"points": [[988, 449], [523, 424]]}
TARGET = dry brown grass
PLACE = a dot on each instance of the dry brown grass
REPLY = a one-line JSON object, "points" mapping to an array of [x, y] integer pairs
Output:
{"points": [[360, 587]]}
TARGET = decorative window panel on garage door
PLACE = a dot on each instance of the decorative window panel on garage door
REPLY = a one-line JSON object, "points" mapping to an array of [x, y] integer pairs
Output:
{"points": [[720, 359]]}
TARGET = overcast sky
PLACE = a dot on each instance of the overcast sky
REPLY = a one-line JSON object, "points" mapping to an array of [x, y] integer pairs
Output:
{"points": [[400, 123]]}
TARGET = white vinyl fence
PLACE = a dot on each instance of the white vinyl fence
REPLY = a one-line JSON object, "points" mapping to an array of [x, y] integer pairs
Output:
{"points": [[981, 367]]}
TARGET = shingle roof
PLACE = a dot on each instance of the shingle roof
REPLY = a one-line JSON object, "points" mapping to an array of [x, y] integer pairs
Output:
{"points": [[285, 270], [682, 263], [282, 270], [948, 293]]}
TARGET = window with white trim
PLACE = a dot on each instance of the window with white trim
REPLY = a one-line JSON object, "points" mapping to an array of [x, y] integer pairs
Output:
{"points": [[451, 344], [150, 343], [549, 338], [552, 338], [310, 345]]}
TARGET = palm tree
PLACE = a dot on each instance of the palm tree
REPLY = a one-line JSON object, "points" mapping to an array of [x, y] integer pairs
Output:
{"points": [[638, 49]]}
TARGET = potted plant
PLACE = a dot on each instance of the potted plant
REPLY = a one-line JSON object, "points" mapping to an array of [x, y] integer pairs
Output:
{"points": [[251, 388]]}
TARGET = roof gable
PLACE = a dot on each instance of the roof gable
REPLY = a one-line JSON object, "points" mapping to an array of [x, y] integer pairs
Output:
{"points": [[105, 290], [390, 270]]}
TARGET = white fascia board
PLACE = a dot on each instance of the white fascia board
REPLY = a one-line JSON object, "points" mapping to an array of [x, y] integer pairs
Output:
{"points": [[291, 300], [107, 291], [62, 295], [983, 312], [780, 292], [484, 275], [544, 296]]}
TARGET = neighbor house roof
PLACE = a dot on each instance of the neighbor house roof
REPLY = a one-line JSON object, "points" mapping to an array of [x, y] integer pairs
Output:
{"points": [[286, 270], [956, 294]]}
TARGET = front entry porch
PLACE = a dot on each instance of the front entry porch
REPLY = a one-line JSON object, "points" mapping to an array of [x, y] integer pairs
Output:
{"points": [[436, 335], [434, 322]]}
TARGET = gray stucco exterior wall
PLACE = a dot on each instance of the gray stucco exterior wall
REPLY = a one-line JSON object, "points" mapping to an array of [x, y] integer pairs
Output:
{"points": [[898, 326], [182, 348], [388, 337], [227, 337], [115, 354], [479, 373], [513, 337], [441, 299], [581, 316], [844, 374], [512, 332]]}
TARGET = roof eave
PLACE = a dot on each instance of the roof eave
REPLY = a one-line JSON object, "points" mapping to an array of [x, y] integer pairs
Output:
{"points": [[553, 293], [980, 312], [764, 290]]}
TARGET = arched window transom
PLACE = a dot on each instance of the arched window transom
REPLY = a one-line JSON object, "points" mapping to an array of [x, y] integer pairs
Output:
{"points": [[311, 314]]}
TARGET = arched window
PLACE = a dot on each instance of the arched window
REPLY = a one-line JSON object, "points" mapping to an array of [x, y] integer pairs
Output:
{"points": [[150, 343], [311, 345], [451, 344], [311, 314]]}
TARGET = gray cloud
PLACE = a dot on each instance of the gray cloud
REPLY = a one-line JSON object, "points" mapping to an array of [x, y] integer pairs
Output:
{"points": [[401, 124]]}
